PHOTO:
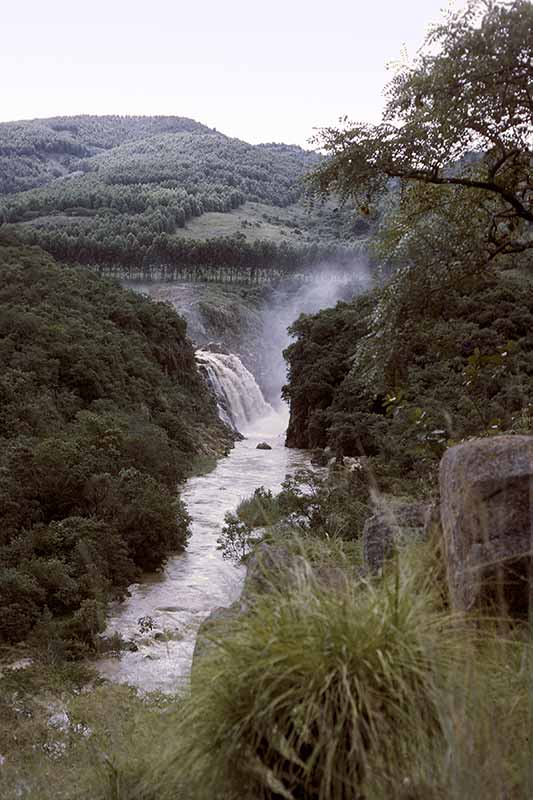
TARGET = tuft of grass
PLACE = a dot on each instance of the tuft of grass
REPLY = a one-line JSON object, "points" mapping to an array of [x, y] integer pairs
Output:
{"points": [[309, 685]]}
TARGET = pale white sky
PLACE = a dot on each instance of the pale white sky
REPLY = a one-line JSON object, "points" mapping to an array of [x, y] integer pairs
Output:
{"points": [[268, 71]]}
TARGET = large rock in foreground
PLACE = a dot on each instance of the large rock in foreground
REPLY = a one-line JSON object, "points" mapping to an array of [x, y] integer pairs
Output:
{"points": [[485, 489]]}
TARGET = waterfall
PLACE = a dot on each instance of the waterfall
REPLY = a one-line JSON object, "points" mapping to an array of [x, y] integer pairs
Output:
{"points": [[240, 400]]}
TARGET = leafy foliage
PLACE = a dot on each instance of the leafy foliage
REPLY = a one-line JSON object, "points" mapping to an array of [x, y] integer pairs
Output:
{"points": [[101, 410], [239, 532], [442, 351], [399, 388], [312, 507], [458, 119]]}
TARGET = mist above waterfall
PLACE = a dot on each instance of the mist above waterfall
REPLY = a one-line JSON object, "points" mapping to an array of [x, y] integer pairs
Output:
{"points": [[288, 302], [251, 322]]}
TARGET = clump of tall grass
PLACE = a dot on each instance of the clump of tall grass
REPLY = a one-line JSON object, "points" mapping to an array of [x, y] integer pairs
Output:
{"points": [[308, 685]]}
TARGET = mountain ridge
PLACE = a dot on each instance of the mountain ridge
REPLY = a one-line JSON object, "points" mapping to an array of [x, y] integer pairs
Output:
{"points": [[35, 152]]}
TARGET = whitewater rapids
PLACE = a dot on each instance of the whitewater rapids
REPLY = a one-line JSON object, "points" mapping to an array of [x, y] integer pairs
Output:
{"points": [[175, 601], [240, 400]]}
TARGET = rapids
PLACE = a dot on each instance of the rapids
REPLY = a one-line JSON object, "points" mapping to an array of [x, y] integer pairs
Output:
{"points": [[172, 603]]}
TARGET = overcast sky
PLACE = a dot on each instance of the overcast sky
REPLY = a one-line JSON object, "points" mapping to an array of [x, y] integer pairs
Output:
{"points": [[263, 71]]}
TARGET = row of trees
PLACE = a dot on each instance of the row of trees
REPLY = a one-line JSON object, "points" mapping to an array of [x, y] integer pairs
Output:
{"points": [[88, 197], [225, 258]]}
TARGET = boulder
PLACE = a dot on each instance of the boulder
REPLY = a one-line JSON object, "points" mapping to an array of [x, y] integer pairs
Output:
{"points": [[212, 625], [263, 446], [270, 568], [392, 526], [485, 488]]}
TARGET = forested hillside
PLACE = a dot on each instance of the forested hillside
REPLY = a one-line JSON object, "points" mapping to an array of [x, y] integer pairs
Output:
{"points": [[102, 412], [127, 194], [461, 366], [35, 152]]}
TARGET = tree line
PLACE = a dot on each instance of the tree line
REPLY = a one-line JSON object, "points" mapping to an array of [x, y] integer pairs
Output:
{"points": [[224, 259]]}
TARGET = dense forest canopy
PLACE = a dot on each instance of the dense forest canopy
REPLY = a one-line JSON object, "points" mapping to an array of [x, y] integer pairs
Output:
{"points": [[36, 152], [102, 411]]}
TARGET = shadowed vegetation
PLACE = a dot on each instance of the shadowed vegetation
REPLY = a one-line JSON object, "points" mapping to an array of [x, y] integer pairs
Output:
{"points": [[102, 413]]}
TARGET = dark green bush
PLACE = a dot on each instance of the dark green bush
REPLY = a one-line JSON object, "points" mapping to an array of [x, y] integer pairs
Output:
{"points": [[394, 378], [101, 409]]}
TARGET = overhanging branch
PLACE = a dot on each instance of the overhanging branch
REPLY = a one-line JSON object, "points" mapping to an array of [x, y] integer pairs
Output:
{"points": [[521, 210]]}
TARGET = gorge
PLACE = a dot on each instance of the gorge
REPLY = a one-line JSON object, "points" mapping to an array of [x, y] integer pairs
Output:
{"points": [[266, 443], [160, 618], [192, 584]]}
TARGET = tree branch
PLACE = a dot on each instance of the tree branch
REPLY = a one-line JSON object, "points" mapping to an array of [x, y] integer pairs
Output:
{"points": [[489, 186]]}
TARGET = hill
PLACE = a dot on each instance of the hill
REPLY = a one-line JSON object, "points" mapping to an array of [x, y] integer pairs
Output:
{"points": [[139, 191], [36, 152]]}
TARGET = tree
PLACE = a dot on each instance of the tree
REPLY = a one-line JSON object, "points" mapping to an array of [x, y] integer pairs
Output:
{"points": [[459, 119]]}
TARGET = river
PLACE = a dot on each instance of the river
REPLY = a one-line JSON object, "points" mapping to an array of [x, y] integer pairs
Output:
{"points": [[174, 602]]}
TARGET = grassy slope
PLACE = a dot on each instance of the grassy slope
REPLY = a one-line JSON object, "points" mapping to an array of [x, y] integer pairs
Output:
{"points": [[295, 224]]}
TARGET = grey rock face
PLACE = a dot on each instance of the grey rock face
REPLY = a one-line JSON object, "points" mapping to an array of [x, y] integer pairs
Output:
{"points": [[215, 622], [392, 527], [486, 501], [263, 446]]}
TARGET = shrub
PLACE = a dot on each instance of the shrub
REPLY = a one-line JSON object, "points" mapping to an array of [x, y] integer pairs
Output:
{"points": [[20, 600], [240, 527], [101, 411]]}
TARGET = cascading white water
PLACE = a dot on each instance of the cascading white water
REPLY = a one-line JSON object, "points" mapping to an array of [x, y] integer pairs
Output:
{"points": [[240, 400], [197, 581]]}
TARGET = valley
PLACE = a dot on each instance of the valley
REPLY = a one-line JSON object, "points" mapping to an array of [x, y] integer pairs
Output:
{"points": [[266, 445]]}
